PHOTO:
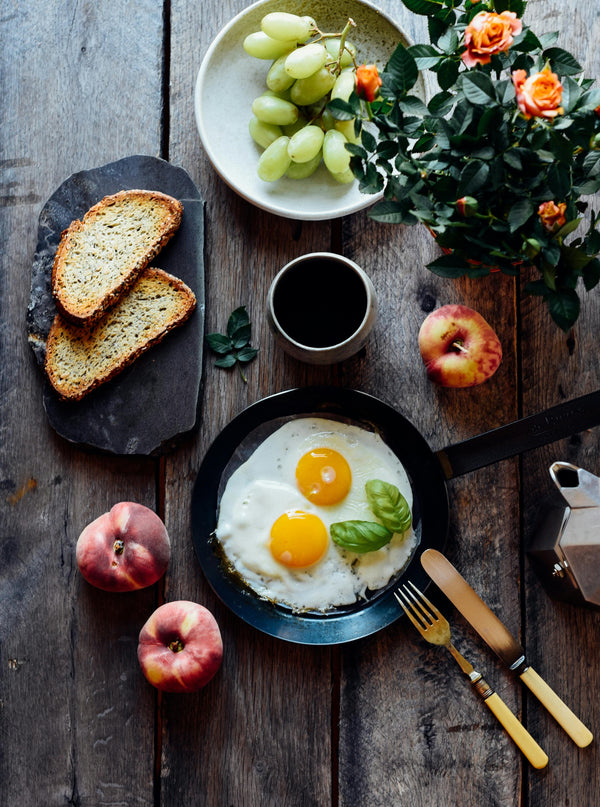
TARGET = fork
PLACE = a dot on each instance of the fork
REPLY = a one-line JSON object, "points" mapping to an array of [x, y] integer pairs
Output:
{"points": [[435, 628]]}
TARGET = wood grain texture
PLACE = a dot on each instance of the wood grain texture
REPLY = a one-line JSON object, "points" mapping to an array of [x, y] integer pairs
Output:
{"points": [[561, 640], [72, 702]]}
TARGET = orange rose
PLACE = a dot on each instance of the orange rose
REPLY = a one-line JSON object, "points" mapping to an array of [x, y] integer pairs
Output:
{"points": [[538, 95], [597, 111], [552, 215], [489, 33], [368, 81]]}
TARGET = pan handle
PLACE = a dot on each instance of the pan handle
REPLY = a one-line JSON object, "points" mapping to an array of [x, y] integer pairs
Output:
{"points": [[522, 435]]}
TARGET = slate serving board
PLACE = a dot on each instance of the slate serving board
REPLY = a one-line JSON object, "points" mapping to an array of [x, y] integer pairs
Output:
{"points": [[152, 404]]}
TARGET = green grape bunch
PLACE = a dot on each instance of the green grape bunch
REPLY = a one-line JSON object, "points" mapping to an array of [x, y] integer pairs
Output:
{"points": [[290, 120]]}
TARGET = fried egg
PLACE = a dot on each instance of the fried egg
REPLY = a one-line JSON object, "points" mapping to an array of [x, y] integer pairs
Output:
{"points": [[277, 508]]}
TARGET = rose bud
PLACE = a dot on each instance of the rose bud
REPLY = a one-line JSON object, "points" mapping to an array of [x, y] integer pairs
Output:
{"points": [[368, 82], [552, 215], [467, 206]]}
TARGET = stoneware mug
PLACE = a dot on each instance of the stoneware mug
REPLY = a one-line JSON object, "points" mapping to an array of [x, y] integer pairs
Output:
{"points": [[321, 308]]}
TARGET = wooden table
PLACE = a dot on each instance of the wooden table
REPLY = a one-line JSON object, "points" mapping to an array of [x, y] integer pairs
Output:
{"points": [[386, 720]]}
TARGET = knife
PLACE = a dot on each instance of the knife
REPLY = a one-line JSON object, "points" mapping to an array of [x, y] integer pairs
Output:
{"points": [[492, 631]]}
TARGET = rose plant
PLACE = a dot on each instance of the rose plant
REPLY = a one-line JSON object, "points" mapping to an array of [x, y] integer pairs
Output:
{"points": [[497, 162]]}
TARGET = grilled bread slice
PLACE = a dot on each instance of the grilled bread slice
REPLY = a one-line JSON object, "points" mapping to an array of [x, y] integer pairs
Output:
{"points": [[80, 357], [100, 257]]}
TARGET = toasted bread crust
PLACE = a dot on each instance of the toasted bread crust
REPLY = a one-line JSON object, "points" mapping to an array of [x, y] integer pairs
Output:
{"points": [[85, 302], [80, 358]]}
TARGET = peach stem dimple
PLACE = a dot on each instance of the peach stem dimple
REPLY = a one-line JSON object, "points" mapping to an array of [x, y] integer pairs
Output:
{"points": [[119, 546], [176, 645]]}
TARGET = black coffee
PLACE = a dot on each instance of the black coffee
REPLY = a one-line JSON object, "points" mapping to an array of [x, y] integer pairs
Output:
{"points": [[320, 302]]}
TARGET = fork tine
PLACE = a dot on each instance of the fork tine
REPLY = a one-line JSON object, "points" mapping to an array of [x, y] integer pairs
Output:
{"points": [[410, 611], [436, 611]]}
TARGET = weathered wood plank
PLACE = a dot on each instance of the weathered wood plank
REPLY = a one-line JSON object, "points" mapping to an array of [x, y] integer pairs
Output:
{"points": [[75, 708], [261, 731], [561, 639]]}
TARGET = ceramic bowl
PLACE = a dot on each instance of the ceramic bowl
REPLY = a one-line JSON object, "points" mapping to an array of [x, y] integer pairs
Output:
{"points": [[229, 80]]}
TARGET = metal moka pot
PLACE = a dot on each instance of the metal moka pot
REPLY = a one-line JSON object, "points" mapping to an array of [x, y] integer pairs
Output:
{"points": [[565, 550]]}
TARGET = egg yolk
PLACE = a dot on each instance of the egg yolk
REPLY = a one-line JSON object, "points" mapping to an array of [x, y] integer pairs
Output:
{"points": [[298, 539], [323, 476]]}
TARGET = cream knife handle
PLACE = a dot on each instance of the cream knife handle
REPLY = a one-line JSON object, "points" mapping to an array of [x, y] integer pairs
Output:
{"points": [[559, 710], [517, 731]]}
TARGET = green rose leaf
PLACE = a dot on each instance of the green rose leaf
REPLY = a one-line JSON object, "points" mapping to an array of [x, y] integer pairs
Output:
{"points": [[425, 56], [388, 212], [389, 505], [591, 274], [478, 88], [518, 6], [360, 536], [473, 177], [564, 307], [448, 266], [340, 109], [219, 342], [424, 7], [562, 62], [519, 213], [246, 354], [237, 319], [225, 361], [401, 72]]}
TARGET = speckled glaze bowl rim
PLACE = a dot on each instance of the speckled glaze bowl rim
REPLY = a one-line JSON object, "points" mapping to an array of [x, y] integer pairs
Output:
{"points": [[318, 198]]}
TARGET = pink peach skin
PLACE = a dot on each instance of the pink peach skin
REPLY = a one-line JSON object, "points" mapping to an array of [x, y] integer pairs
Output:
{"points": [[459, 348], [125, 549], [180, 647]]}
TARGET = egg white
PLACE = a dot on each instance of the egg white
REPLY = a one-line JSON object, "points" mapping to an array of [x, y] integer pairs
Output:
{"points": [[264, 487]]}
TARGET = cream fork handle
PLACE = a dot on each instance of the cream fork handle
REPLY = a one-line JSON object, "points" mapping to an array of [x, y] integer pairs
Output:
{"points": [[536, 755], [559, 710]]}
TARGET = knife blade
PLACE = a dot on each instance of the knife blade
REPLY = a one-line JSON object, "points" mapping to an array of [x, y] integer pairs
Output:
{"points": [[497, 636]]}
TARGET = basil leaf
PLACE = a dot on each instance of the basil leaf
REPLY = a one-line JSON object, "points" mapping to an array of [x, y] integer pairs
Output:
{"points": [[360, 536], [389, 505]]}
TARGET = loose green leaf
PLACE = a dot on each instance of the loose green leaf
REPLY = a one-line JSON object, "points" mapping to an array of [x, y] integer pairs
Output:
{"points": [[388, 505], [233, 348], [225, 361], [360, 536], [237, 319], [246, 354], [219, 343]]}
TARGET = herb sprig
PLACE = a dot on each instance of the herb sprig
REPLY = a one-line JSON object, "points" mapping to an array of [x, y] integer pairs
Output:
{"points": [[233, 347], [389, 506]]}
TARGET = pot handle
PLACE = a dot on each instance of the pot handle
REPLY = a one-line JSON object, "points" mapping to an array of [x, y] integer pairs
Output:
{"points": [[540, 429]]}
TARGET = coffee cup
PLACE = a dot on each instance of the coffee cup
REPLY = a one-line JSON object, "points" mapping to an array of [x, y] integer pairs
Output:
{"points": [[321, 308]]}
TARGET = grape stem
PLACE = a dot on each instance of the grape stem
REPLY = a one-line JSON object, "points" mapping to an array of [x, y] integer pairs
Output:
{"points": [[342, 37]]}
